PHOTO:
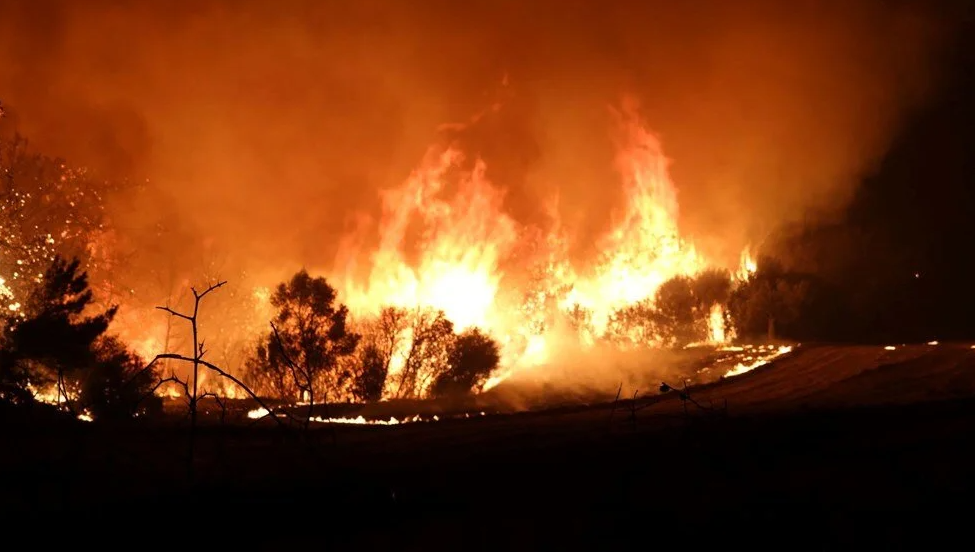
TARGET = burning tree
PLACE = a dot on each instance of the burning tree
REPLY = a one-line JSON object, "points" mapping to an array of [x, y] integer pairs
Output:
{"points": [[310, 335], [680, 313]]}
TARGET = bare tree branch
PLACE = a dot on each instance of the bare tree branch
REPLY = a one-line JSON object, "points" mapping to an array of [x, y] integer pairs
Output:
{"points": [[219, 401], [163, 381], [177, 314], [307, 387], [171, 379], [287, 358], [143, 371], [222, 373], [209, 288]]}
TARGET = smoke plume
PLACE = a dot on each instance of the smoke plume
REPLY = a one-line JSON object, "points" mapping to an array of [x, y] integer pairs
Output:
{"points": [[267, 128]]}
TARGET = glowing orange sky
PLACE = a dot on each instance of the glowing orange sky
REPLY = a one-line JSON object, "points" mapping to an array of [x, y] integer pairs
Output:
{"points": [[271, 124]]}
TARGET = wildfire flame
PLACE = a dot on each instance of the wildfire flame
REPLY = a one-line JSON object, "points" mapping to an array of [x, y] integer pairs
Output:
{"points": [[459, 252], [461, 261], [446, 242], [50, 394], [747, 266]]}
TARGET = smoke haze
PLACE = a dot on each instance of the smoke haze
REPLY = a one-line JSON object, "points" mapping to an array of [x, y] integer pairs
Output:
{"points": [[269, 126]]}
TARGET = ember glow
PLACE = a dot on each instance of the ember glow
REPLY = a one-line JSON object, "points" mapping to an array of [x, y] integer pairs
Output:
{"points": [[259, 413], [7, 297], [49, 394], [760, 356]]}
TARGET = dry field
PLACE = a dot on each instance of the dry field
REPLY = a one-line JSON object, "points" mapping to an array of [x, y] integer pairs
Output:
{"points": [[827, 445]]}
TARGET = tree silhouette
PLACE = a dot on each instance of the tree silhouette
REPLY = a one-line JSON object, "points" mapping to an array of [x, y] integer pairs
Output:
{"points": [[368, 384], [117, 385], [382, 338], [634, 324], [54, 338], [192, 389], [711, 287], [771, 297], [676, 313], [270, 378], [310, 335], [472, 357], [431, 335]]}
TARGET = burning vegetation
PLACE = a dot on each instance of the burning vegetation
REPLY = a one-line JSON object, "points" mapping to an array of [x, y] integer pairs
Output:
{"points": [[456, 298], [440, 285], [414, 256]]}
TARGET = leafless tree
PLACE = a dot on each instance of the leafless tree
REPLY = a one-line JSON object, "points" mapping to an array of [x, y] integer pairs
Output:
{"points": [[302, 376], [431, 335], [191, 388], [382, 339]]}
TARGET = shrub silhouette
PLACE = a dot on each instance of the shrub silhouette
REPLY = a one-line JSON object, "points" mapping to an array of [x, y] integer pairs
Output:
{"points": [[313, 332], [54, 339], [428, 353], [369, 382], [116, 386], [382, 338], [472, 357]]}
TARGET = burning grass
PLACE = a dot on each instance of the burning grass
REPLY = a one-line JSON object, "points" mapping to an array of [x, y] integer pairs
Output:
{"points": [[697, 365]]}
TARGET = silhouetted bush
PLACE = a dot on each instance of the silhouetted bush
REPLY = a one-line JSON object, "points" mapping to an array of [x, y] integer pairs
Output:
{"points": [[711, 287], [472, 357], [117, 386], [53, 339], [428, 353], [314, 334], [382, 338], [369, 381], [771, 298], [678, 321]]}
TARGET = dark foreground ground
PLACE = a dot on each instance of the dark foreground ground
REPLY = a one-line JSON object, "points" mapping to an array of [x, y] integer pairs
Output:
{"points": [[829, 447]]}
